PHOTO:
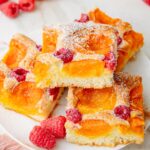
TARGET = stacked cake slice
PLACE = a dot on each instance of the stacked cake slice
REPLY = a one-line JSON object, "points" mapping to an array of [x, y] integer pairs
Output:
{"points": [[107, 116], [81, 54], [18, 90]]}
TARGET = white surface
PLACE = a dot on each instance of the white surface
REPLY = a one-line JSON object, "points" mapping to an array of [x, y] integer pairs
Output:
{"points": [[60, 11]]}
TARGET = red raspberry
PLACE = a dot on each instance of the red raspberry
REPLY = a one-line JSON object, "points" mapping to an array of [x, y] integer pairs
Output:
{"points": [[3, 1], [55, 125], [73, 115], [119, 40], [10, 9], [39, 47], [65, 55], [122, 111], [19, 74], [110, 61], [83, 19], [42, 137], [27, 5], [54, 92], [147, 2]]}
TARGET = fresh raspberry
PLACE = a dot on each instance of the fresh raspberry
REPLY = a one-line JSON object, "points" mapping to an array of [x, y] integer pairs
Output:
{"points": [[119, 40], [55, 125], [147, 2], [39, 47], [64, 54], [122, 111], [19, 74], [83, 19], [54, 92], [110, 61], [10, 9], [3, 1], [42, 137], [27, 5], [73, 115]]}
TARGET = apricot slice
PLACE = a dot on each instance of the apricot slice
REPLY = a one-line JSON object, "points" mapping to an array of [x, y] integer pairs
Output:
{"points": [[95, 100], [122, 59], [2, 76], [100, 44], [26, 95], [100, 17], [135, 41], [40, 70], [136, 98], [3, 92], [49, 41], [84, 68], [94, 128], [138, 130], [16, 53]]}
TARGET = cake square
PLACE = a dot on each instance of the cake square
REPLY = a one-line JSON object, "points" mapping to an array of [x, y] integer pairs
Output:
{"points": [[129, 41], [106, 117], [78, 54], [18, 90]]}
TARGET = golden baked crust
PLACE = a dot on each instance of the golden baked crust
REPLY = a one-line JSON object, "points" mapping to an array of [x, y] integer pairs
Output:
{"points": [[91, 47], [132, 40], [24, 96], [101, 125]]}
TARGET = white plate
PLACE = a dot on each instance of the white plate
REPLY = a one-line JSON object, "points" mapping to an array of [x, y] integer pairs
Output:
{"points": [[19, 126]]}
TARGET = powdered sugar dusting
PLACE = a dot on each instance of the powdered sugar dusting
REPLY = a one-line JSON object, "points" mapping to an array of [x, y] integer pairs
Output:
{"points": [[75, 35]]}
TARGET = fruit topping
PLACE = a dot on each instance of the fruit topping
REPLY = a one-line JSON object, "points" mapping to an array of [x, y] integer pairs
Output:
{"points": [[83, 19], [78, 68], [19, 74], [122, 111], [39, 47], [94, 128], [110, 61], [73, 115], [54, 92], [119, 40], [64, 54]]}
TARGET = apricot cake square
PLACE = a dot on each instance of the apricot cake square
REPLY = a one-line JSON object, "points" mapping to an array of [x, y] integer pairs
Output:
{"points": [[108, 116], [18, 90], [78, 54], [129, 41]]}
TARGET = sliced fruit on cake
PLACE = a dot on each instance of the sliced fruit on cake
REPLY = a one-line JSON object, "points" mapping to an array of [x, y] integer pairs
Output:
{"points": [[18, 90], [129, 41], [83, 55], [107, 116]]}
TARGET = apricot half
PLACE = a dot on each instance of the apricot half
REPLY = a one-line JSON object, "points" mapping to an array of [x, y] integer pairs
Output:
{"points": [[49, 41], [16, 53], [100, 44], [2, 76], [40, 70], [94, 128], [95, 100], [26, 95], [84, 68]]}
